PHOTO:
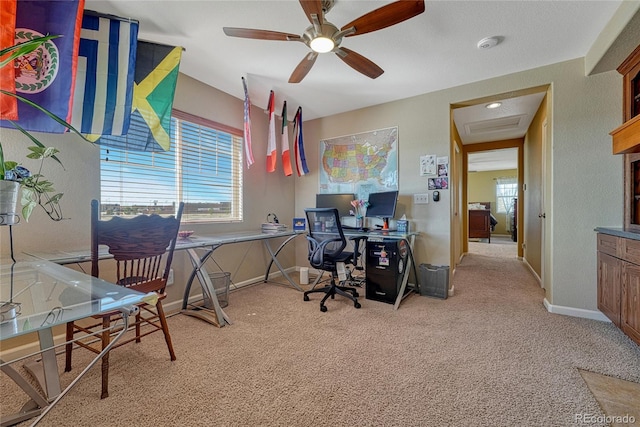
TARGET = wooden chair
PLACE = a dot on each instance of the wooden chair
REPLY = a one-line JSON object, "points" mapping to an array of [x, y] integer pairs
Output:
{"points": [[142, 248]]}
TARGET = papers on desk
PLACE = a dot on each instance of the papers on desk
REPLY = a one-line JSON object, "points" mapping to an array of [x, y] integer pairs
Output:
{"points": [[273, 227]]}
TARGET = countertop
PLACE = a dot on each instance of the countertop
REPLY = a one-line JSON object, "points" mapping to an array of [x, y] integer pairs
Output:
{"points": [[617, 231]]}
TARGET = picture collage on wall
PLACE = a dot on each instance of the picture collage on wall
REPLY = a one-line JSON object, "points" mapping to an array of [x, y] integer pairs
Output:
{"points": [[437, 171]]}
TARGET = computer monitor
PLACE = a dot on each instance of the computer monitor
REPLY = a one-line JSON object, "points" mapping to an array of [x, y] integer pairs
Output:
{"points": [[382, 205], [341, 201]]}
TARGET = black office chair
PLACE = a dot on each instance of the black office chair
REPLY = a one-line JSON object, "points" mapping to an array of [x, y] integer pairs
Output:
{"points": [[327, 244]]}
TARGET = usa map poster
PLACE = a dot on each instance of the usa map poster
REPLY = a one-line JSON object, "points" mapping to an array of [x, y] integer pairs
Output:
{"points": [[362, 163]]}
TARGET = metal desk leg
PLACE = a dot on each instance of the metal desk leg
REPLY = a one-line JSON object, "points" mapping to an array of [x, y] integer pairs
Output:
{"points": [[38, 404], [274, 259], [405, 277], [126, 312], [214, 315], [46, 370]]}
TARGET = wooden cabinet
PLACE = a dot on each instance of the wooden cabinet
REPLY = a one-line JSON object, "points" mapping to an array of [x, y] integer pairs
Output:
{"points": [[619, 282], [626, 138], [630, 299]]}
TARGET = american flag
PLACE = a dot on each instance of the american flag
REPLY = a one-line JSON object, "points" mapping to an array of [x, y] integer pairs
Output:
{"points": [[247, 126]]}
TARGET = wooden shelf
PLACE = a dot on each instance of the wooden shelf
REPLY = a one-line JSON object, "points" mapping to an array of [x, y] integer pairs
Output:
{"points": [[626, 138]]}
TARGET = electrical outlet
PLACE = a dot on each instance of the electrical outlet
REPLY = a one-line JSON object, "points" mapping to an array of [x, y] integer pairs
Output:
{"points": [[421, 199], [170, 278]]}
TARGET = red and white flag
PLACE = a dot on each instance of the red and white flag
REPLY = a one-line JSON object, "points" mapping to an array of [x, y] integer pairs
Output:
{"points": [[286, 158], [271, 141], [247, 126]]}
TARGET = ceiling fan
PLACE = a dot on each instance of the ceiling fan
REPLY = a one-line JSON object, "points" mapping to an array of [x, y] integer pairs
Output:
{"points": [[322, 36]]}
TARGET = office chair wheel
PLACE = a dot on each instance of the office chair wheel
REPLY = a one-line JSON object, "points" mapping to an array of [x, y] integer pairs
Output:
{"points": [[357, 304], [306, 298], [323, 308]]}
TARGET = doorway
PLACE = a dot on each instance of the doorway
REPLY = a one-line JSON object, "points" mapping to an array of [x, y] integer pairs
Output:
{"points": [[482, 130], [492, 194]]}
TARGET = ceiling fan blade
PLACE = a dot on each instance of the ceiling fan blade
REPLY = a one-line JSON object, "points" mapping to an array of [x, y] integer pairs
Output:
{"points": [[312, 7], [250, 33], [385, 16], [303, 67], [359, 63]]}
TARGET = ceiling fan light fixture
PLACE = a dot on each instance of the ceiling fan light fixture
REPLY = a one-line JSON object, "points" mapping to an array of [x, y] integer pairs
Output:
{"points": [[322, 44]]}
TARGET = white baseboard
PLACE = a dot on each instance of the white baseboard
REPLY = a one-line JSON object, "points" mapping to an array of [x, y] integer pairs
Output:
{"points": [[524, 260], [575, 312]]}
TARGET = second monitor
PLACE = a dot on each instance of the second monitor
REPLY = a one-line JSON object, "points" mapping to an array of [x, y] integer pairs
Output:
{"points": [[382, 205], [342, 202]]}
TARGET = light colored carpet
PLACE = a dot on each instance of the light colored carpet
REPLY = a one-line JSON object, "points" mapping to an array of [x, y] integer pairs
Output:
{"points": [[489, 356]]}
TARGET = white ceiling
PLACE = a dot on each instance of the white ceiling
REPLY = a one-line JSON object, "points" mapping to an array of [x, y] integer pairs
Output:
{"points": [[433, 51], [511, 119], [492, 160]]}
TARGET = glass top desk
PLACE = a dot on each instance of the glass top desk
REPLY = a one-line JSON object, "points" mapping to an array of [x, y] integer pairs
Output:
{"points": [[199, 250], [35, 296]]}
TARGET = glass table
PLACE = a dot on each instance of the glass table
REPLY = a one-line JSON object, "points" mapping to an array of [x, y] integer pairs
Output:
{"points": [[35, 296]]}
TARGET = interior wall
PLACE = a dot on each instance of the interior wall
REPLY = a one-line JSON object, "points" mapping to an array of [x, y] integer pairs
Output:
{"points": [[585, 110], [481, 187], [80, 181]]}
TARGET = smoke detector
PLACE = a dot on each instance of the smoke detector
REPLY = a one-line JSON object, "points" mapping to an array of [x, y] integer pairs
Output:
{"points": [[488, 42]]}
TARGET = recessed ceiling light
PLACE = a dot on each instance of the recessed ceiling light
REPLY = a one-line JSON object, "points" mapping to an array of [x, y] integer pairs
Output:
{"points": [[488, 42], [493, 105]]}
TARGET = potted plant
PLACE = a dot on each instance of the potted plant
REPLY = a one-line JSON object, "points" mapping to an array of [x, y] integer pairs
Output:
{"points": [[36, 190]]}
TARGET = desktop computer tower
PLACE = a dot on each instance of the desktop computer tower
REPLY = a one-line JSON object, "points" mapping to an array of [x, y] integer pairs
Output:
{"points": [[385, 267]]}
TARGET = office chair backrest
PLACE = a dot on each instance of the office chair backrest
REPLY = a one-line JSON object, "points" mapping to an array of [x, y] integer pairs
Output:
{"points": [[142, 246], [327, 241]]}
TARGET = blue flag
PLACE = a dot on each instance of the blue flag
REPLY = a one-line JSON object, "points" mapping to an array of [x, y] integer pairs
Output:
{"points": [[104, 82], [46, 76]]}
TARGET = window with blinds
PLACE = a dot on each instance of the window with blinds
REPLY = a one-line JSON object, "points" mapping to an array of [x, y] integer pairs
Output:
{"points": [[203, 169]]}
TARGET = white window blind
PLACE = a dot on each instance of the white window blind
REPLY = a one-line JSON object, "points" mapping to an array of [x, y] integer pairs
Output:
{"points": [[506, 191], [203, 169]]}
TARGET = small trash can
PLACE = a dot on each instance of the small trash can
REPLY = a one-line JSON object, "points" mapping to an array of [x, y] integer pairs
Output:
{"points": [[434, 280], [221, 281]]}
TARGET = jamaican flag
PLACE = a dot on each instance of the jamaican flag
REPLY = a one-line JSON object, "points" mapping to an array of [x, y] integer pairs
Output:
{"points": [[155, 81]]}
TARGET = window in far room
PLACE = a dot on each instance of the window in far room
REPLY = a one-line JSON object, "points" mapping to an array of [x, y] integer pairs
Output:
{"points": [[203, 168], [506, 191]]}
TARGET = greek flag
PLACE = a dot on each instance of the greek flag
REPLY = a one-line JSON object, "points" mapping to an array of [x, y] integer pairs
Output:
{"points": [[106, 66]]}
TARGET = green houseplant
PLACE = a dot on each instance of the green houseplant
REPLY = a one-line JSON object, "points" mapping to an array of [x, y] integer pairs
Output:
{"points": [[36, 190]]}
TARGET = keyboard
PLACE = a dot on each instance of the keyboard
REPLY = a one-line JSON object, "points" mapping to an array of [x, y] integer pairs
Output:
{"points": [[348, 227]]}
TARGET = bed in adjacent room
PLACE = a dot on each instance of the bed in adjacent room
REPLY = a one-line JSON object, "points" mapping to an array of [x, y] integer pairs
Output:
{"points": [[481, 220]]}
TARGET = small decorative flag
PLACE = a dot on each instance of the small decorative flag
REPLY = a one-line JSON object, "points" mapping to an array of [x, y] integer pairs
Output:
{"points": [[106, 66], [271, 139], [47, 75], [298, 145], [8, 104], [247, 126], [286, 158], [155, 81]]}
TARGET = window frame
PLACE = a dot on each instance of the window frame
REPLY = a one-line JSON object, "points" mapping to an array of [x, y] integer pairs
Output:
{"points": [[236, 213]]}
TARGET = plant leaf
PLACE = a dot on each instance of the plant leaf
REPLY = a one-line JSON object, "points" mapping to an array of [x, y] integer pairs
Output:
{"points": [[44, 110], [22, 49]]}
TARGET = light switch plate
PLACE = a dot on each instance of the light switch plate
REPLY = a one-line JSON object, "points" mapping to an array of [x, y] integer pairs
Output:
{"points": [[421, 199]]}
